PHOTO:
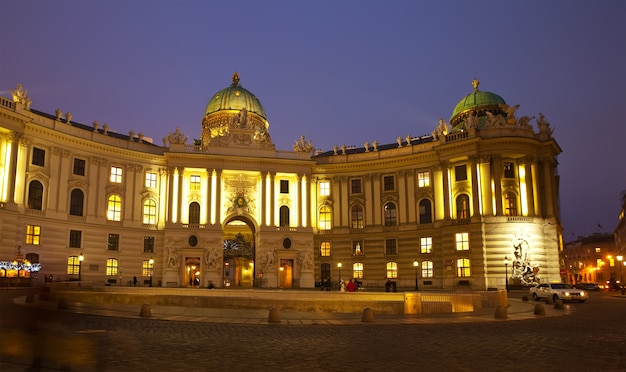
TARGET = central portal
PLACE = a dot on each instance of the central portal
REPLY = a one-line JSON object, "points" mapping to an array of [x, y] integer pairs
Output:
{"points": [[239, 252]]}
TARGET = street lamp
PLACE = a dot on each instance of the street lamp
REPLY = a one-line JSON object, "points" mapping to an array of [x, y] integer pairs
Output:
{"points": [[621, 276], [415, 264], [80, 267], [339, 267], [151, 262], [506, 273]]}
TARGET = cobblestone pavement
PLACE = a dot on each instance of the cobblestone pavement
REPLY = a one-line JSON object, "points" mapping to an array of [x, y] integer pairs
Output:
{"points": [[591, 338]]}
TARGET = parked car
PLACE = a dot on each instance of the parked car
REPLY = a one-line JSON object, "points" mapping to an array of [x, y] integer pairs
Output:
{"points": [[587, 286], [558, 291]]}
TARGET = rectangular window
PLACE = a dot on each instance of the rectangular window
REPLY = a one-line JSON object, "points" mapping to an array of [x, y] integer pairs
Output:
{"points": [[509, 170], [284, 187], [324, 188], [426, 244], [151, 180], [112, 267], [33, 234], [194, 184], [325, 221], [392, 270], [325, 271], [357, 270], [79, 167], [75, 238], [73, 265], [389, 183], [423, 179], [460, 172], [113, 242], [116, 175], [325, 249], [148, 244], [427, 269], [357, 248], [391, 247], [355, 186], [39, 157], [462, 241], [147, 268], [463, 268]]}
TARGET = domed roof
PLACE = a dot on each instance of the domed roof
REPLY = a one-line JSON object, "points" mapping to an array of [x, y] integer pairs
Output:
{"points": [[235, 97], [477, 103]]}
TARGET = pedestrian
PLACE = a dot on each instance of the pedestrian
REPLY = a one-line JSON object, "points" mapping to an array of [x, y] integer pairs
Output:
{"points": [[134, 281], [351, 286], [388, 286]]}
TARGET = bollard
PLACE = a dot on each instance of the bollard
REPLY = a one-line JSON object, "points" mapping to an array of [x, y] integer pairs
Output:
{"points": [[539, 309], [558, 304], [274, 316], [145, 311], [62, 304], [368, 315], [501, 312], [30, 298]]}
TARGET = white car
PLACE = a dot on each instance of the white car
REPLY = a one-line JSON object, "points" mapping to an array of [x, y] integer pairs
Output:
{"points": [[558, 291]]}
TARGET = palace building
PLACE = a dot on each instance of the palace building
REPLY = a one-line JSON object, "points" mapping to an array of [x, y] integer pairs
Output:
{"points": [[472, 205]]}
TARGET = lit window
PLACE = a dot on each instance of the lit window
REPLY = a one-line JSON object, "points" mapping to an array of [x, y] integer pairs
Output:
{"points": [[392, 270], [357, 248], [510, 204], [73, 265], [391, 247], [423, 179], [463, 268], [390, 214], [427, 269], [194, 184], [325, 249], [426, 244], [116, 175], [462, 241], [113, 242], [357, 270], [149, 212], [597, 249], [112, 266], [324, 188], [357, 217], [75, 238], [151, 180], [462, 207], [114, 208], [325, 223], [147, 268], [33, 234], [389, 183], [148, 244]]}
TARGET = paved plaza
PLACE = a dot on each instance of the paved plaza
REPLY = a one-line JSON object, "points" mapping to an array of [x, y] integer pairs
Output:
{"points": [[582, 337]]}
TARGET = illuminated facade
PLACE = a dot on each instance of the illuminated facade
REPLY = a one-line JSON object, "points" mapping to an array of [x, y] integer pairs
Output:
{"points": [[229, 209]]}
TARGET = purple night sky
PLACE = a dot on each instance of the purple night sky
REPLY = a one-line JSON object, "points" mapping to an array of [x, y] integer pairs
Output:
{"points": [[338, 72]]}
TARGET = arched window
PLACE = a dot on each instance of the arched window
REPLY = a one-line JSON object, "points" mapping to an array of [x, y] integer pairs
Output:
{"points": [[426, 211], [77, 198], [462, 207], [149, 212], [357, 217], [114, 208], [194, 213], [283, 215], [35, 195], [390, 214], [510, 204], [325, 222]]}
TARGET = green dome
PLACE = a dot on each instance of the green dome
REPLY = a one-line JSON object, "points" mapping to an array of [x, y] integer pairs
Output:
{"points": [[478, 103], [235, 97]]}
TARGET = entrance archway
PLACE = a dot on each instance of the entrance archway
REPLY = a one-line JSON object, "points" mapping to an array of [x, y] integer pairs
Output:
{"points": [[239, 253]]}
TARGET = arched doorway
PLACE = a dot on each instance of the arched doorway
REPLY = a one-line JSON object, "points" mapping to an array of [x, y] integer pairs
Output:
{"points": [[239, 253]]}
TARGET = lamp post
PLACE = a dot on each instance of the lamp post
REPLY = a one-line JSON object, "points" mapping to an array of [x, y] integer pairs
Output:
{"points": [[621, 276], [506, 273], [339, 267], [416, 264], [80, 267], [151, 263]]}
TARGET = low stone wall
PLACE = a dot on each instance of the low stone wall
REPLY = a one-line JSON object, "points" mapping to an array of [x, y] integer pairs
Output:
{"points": [[426, 302]]}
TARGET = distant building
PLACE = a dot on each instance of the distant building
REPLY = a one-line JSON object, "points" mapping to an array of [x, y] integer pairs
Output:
{"points": [[229, 209], [592, 259]]}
